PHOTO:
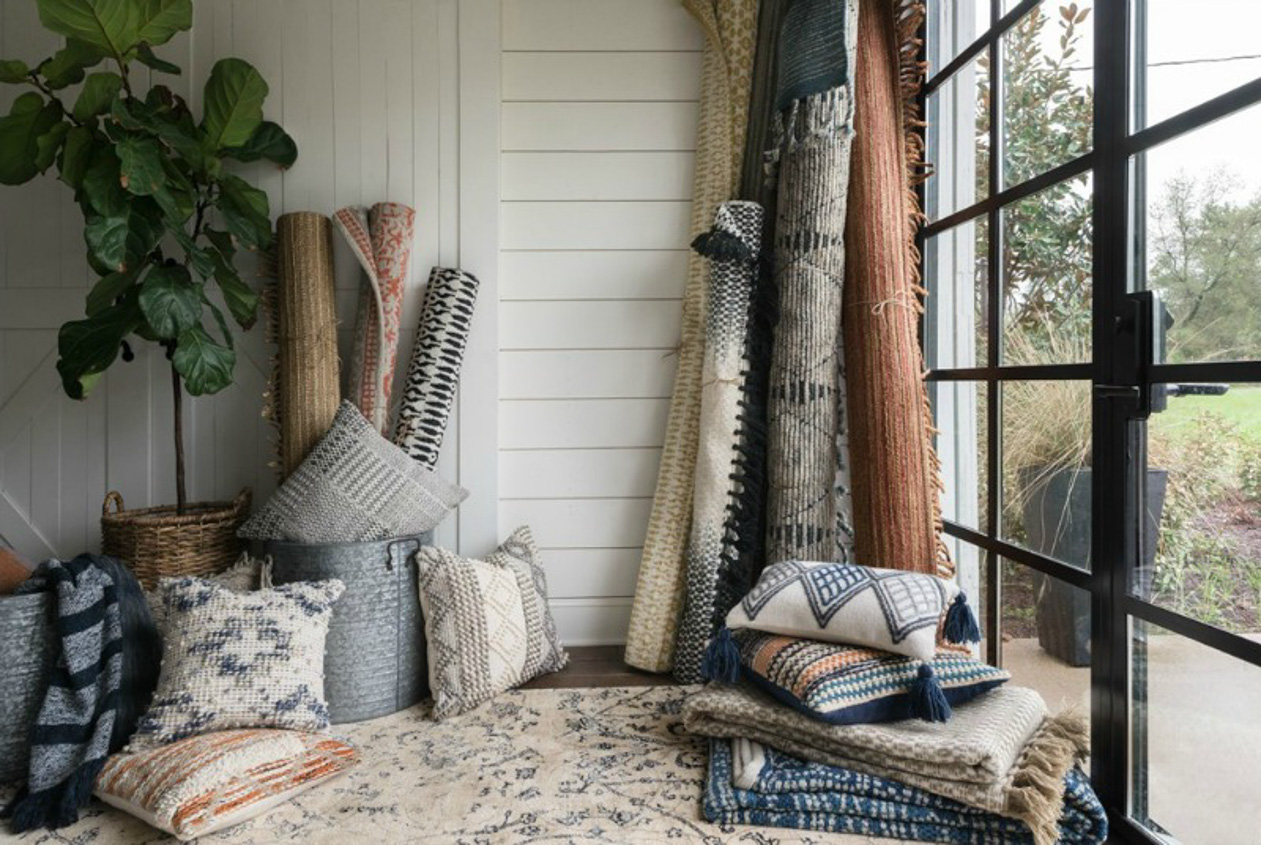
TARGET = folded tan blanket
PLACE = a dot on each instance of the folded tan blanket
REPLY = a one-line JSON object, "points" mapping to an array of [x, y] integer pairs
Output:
{"points": [[1000, 752]]}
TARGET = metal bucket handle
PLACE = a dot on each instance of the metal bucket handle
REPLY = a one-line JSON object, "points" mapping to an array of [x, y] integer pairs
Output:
{"points": [[401, 551]]}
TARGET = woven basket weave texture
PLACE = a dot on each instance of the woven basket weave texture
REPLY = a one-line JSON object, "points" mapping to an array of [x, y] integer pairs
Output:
{"points": [[374, 659], [159, 543], [26, 630]]}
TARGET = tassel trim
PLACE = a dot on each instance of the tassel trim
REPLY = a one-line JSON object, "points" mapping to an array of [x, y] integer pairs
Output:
{"points": [[928, 701], [721, 663], [961, 624], [1036, 796]]}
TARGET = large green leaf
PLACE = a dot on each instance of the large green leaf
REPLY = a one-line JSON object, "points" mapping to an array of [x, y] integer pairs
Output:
{"points": [[102, 183], [86, 348], [107, 289], [146, 57], [233, 103], [245, 211], [241, 299], [161, 19], [199, 258], [124, 241], [49, 144], [112, 25], [269, 141], [170, 301], [205, 365], [75, 156], [99, 91], [67, 65], [140, 165], [14, 71], [20, 130], [175, 195]]}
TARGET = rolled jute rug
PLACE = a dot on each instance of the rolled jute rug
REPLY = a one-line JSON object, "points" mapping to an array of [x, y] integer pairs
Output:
{"points": [[896, 473], [438, 353], [381, 239], [730, 28], [808, 501], [732, 247], [304, 392]]}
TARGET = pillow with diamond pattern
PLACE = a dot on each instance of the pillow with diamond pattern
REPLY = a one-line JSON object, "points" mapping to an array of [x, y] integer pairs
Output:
{"points": [[487, 624], [888, 609]]}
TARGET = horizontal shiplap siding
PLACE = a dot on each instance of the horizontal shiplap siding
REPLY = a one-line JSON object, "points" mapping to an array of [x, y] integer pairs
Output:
{"points": [[598, 130]]}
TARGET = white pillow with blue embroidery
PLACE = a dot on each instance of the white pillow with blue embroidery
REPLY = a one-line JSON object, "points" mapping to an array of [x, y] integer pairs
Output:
{"points": [[892, 610]]}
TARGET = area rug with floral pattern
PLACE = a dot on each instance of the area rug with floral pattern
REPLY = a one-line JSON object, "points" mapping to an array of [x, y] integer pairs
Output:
{"points": [[546, 765]]}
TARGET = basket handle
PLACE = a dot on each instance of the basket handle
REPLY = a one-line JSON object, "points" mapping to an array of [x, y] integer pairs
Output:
{"points": [[114, 498]]}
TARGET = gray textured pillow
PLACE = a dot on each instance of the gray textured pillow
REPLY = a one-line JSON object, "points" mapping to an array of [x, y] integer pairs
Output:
{"points": [[354, 485], [239, 660], [487, 623]]}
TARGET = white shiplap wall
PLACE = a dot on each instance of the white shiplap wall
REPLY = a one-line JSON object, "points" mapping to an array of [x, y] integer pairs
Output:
{"points": [[598, 127], [386, 102]]}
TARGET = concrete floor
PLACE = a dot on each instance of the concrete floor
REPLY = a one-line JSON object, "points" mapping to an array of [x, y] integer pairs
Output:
{"points": [[1204, 737]]}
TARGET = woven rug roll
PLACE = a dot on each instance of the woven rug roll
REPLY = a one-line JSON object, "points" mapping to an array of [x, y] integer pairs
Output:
{"points": [[305, 392], [730, 28], [808, 508], [437, 356], [732, 247], [381, 238], [896, 482]]}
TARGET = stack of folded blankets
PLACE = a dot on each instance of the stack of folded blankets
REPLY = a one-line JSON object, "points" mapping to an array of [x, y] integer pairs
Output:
{"points": [[845, 699]]}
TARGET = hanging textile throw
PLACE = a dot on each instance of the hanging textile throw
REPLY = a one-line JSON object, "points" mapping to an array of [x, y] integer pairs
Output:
{"points": [[437, 355], [730, 28], [381, 238], [896, 484], [809, 509], [304, 391], [732, 248]]}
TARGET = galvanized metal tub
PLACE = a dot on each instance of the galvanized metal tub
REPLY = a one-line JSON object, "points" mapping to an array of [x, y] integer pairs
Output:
{"points": [[374, 660], [26, 630]]}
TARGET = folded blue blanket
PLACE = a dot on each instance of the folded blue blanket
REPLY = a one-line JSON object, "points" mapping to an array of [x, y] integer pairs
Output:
{"points": [[751, 784]]}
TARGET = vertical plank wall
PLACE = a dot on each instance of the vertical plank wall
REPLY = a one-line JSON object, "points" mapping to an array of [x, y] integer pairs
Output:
{"points": [[370, 91], [598, 126]]}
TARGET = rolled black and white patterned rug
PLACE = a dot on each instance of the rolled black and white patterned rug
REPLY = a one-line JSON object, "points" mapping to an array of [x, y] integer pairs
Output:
{"points": [[733, 247], [810, 510], [437, 356]]}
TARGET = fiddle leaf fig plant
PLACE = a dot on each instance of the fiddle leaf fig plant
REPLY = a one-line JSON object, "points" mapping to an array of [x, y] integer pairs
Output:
{"points": [[163, 216]]}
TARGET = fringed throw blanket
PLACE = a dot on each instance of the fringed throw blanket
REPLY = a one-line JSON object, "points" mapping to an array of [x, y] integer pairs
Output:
{"points": [[437, 356], [303, 393], [730, 28], [809, 509], [896, 481], [733, 247], [105, 672], [751, 784], [381, 238], [1000, 752]]}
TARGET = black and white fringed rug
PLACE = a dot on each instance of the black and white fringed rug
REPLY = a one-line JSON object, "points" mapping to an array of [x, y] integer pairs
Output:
{"points": [[437, 356], [733, 247], [809, 509]]}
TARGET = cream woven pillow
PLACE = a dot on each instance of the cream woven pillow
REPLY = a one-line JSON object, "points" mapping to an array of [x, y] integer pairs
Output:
{"points": [[239, 660], [487, 624]]}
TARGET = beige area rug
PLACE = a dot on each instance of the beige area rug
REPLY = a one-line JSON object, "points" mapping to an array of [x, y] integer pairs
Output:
{"points": [[533, 766]]}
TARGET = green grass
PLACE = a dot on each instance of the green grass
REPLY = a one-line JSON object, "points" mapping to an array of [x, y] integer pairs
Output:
{"points": [[1240, 406]]}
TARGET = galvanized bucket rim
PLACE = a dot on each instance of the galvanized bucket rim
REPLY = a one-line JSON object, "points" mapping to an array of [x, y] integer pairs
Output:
{"points": [[341, 544]]}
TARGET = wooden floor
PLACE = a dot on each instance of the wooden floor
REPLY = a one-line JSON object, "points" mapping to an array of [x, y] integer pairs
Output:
{"points": [[597, 666]]}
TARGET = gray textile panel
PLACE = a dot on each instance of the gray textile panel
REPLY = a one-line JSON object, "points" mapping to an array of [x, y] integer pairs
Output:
{"points": [[27, 650], [374, 658]]}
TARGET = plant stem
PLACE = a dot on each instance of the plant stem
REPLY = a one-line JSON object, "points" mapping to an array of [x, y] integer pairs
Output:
{"points": [[177, 396]]}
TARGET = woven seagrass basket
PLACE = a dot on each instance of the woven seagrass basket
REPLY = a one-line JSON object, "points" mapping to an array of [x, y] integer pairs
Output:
{"points": [[160, 543], [26, 630]]}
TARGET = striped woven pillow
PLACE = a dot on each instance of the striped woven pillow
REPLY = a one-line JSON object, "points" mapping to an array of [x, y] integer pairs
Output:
{"points": [[848, 685], [206, 783]]}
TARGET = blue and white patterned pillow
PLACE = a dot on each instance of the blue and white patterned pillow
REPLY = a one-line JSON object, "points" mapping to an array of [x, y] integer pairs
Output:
{"points": [[889, 609], [239, 660]]}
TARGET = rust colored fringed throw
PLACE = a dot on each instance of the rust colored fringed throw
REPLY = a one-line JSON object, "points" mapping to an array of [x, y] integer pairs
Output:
{"points": [[304, 391], [895, 473]]}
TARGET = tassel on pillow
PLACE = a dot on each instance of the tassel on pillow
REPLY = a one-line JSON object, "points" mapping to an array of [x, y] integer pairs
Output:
{"points": [[722, 659], [961, 624], [928, 702]]}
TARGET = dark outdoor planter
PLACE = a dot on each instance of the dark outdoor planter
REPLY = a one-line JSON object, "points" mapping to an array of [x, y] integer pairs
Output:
{"points": [[1057, 522]]}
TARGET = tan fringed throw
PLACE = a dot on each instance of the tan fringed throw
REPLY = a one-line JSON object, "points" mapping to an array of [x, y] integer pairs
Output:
{"points": [[304, 393], [730, 28], [896, 480]]}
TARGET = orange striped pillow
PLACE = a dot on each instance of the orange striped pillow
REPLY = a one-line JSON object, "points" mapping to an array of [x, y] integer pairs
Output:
{"points": [[205, 783]]}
